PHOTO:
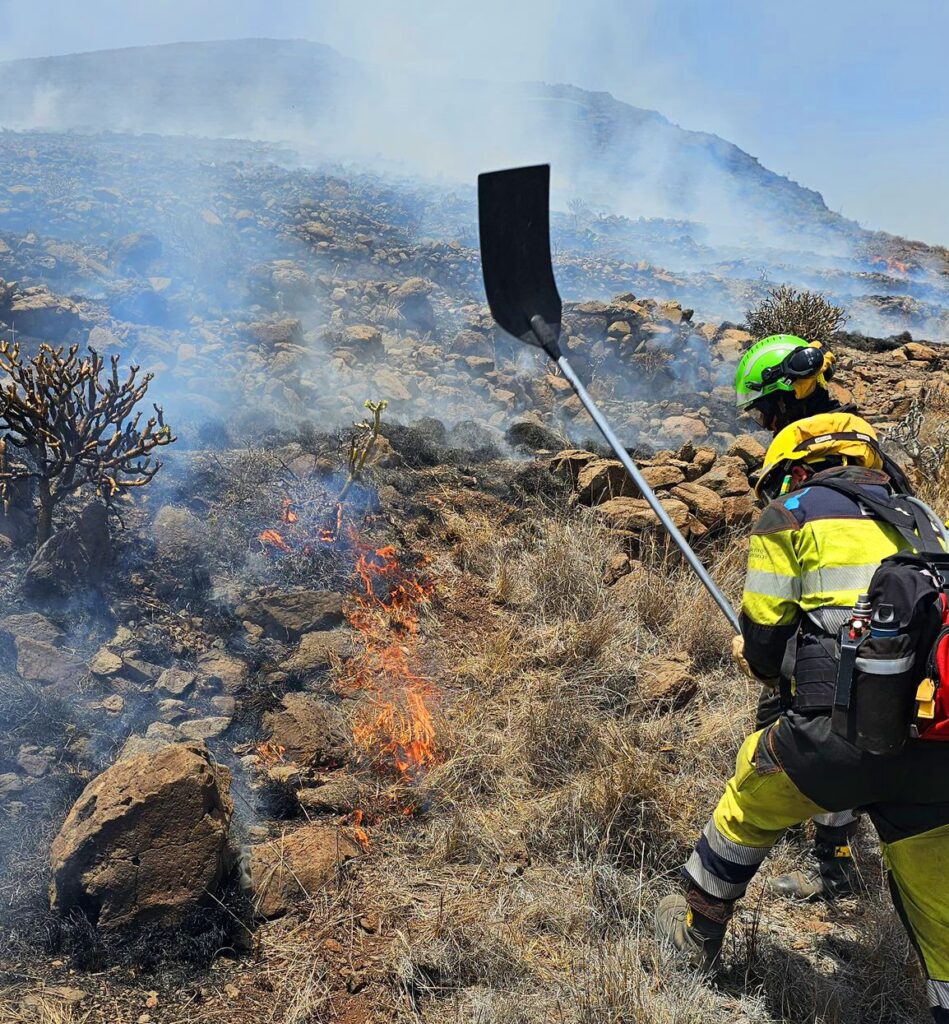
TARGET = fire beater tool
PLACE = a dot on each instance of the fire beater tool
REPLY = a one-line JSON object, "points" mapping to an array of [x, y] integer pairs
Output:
{"points": [[514, 216]]}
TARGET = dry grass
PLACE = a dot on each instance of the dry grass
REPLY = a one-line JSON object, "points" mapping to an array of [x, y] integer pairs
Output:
{"points": [[568, 801], [40, 1008]]}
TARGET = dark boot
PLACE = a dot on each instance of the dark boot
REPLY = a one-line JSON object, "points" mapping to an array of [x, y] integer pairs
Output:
{"points": [[695, 925], [833, 873]]}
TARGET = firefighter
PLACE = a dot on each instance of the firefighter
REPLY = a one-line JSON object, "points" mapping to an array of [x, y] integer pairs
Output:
{"points": [[784, 378], [813, 552], [779, 380]]}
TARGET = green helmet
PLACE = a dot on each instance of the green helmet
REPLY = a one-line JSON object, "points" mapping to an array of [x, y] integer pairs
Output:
{"points": [[753, 379]]}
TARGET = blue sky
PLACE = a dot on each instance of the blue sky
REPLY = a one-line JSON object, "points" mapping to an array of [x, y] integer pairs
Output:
{"points": [[847, 96]]}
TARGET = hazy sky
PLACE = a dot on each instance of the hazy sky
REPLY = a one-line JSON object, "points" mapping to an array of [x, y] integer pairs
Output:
{"points": [[849, 97]]}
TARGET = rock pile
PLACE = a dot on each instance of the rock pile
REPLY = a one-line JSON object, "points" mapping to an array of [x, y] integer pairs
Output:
{"points": [[701, 489]]}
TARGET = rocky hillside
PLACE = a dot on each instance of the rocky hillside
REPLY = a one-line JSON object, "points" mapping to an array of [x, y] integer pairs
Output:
{"points": [[408, 720]]}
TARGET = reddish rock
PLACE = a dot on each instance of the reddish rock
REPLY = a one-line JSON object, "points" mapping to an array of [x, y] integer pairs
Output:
{"points": [[294, 868], [631, 514], [703, 502], [311, 732], [146, 840]]}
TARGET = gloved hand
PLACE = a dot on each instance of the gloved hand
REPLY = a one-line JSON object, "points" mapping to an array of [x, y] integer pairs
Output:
{"points": [[738, 653]]}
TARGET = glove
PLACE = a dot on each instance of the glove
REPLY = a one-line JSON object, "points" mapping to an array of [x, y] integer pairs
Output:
{"points": [[738, 653]]}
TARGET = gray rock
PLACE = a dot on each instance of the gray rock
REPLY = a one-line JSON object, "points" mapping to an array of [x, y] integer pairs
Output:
{"points": [[287, 614], [224, 670], [31, 625], [179, 535], [10, 785], [77, 555], [204, 728], [157, 736], [176, 681], [40, 662]]}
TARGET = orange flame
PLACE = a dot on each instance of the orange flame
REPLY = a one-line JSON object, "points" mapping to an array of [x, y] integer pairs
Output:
{"points": [[359, 833], [296, 535], [893, 266], [274, 539], [396, 729]]}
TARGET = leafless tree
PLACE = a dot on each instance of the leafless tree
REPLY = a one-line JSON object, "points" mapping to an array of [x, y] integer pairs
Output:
{"points": [[74, 425]]}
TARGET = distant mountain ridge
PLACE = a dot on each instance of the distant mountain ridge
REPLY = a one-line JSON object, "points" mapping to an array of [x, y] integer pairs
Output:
{"points": [[633, 160]]}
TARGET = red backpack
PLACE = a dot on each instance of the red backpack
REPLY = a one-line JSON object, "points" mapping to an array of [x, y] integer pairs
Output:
{"points": [[932, 694]]}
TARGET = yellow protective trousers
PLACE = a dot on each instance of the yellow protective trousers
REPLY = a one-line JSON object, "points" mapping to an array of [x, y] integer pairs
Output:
{"points": [[761, 801]]}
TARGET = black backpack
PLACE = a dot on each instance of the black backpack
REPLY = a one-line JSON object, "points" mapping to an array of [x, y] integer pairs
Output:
{"points": [[895, 684]]}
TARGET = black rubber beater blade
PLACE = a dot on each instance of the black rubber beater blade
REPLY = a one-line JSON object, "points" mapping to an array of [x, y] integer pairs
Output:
{"points": [[514, 220]]}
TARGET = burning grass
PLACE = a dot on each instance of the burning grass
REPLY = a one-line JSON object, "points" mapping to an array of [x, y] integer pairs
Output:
{"points": [[568, 798]]}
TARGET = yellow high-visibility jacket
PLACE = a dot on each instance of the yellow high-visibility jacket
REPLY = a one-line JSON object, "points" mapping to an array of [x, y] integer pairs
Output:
{"points": [[813, 552]]}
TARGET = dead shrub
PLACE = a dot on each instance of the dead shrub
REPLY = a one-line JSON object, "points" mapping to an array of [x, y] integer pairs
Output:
{"points": [[785, 310]]}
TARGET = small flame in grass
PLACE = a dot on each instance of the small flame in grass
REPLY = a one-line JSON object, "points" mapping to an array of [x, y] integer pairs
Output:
{"points": [[399, 731], [359, 833], [274, 539], [297, 536], [395, 729]]}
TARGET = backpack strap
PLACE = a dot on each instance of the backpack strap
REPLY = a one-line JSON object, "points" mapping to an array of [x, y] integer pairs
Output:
{"points": [[911, 521]]}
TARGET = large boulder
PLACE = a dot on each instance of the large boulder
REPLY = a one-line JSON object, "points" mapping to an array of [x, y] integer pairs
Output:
{"points": [[78, 554], [181, 538], [634, 514], [288, 614], [36, 311], [146, 840], [294, 868], [310, 731]]}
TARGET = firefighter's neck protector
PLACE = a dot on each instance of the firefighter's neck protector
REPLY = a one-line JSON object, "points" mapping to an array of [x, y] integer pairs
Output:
{"points": [[838, 436], [781, 363]]}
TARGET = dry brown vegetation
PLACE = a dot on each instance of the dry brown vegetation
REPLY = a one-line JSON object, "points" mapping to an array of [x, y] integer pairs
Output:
{"points": [[785, 310], [568, 800]]}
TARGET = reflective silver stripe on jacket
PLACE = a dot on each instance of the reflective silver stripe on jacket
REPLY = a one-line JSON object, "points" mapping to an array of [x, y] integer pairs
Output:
{"points": [[830, 620], [886, 666], [835, 819], [710, 883], [729, 850], [834, 579], [938, 992], [773, 585]]}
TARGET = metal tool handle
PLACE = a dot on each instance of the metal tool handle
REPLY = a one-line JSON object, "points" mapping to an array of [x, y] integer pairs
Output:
{"points": [[654, 503]]}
